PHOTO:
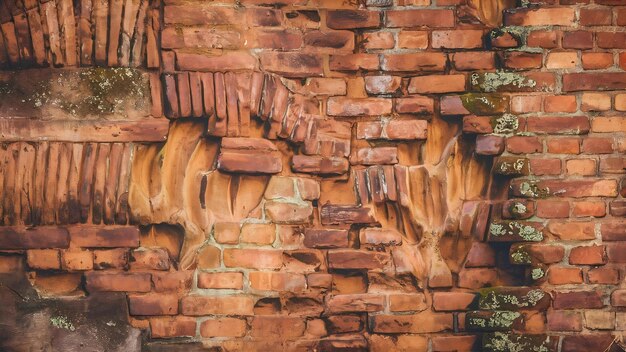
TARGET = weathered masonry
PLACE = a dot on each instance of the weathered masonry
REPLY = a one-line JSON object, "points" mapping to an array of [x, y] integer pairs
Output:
{"points": [[313, 175]]}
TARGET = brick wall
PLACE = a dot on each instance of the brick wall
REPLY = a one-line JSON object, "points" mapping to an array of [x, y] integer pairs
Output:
{"points": [[387, 175]]}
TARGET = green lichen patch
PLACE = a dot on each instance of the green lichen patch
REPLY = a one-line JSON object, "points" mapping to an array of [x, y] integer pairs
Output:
{"points": [[507, 342], [511, 166], [512, 298], [62, 322], [501, 81], [520, 257], [492, 321], [505, 124], [515, 231], [537, 273], [485, 104], [532, 190]]}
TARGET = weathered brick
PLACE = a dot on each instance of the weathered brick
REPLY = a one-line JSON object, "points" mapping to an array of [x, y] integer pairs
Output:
{"points": [[153, 304], [352, 259], [292, 64], [457, 39], [351, 19], [206, 305], [224, 280], [577, 300], [167, 327], [33, 238], [223, 327], [118, 281], [417, 18]]}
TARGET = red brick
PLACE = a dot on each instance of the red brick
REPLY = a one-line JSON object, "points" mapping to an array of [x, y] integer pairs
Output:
{"points": [[437, 84], [150, 259], [413, 39], [111, 236], [33, 238], [330, 41], [564, 321], [418, 62], [574, 188], [582, 167], [253, 258], [578, 40], [425, 322], [342, 106], [477, 124], [379, 236], [558, 124], [225, 280], [418, 18], [552, 209], [282, 327], [454, 343], [594, 81], [227, 61], [596, 61], [521, 60], [611, 40], [523, 145], [77, 260], [352, 259], [572, 230], [595, 16], [378, 40], [273, 281], [118, 281], [259, 234], [453, 301], [178, 281], [589, 208], [111, 259], [153, 304], [567, 145], [562, 16], [292, 64], [593, 145], [603, 275], [414, 105], [382, 84], [543, 39], [595, 102], [354, 62], [577, 300], [172, 327], [489, 145], [477, 278], [613, 230], [326, 238], [457, 39], [355, 303], [560, 103], [561, 60], [588, 255], [543, 167], [43, 259], [466, 61], [351, 19], [223, 327], [407, 302], [206, 305], [586, 342], [618, 298], [564, 276]]}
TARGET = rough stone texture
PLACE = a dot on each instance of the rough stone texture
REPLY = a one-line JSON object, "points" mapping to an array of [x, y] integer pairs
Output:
{"points": [[312, 175]]}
